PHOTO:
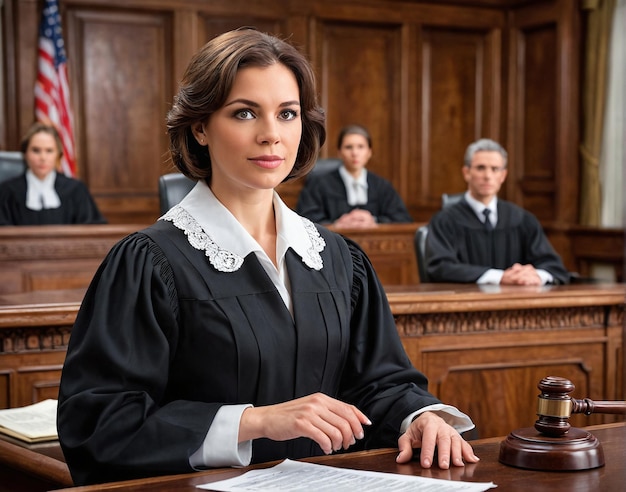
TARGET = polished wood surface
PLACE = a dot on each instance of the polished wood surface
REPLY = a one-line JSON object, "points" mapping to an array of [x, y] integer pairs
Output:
{"points": [[32, 467], [431, 298], [610, 477]]}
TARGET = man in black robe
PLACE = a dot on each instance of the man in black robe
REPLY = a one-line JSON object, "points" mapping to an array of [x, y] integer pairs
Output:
{"points": [[485, 240]]}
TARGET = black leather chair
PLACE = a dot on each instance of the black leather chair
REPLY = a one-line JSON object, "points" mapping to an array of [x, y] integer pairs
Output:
{"points": [[173, 188], [451, 199], [420, 251], [422, 232], [325, 165], [11, 164]]}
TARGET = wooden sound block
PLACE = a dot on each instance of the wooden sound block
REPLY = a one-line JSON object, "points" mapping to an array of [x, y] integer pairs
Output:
{"points": [[528, 448]]}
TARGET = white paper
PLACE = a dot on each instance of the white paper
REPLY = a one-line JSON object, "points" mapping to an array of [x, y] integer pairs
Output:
{"points": [[296, 475]]}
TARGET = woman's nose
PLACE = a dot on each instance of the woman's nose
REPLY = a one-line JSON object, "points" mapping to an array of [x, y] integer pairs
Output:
{"points": [[269, 133]]}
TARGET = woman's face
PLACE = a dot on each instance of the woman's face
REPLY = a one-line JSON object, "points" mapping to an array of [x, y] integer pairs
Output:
{"points": [[42, 154], [355, 152], [253, 138]]}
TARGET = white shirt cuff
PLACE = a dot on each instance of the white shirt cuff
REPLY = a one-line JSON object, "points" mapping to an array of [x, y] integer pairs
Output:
{"points": [[452, 415], [546, 277], [221, 447], [491, 276]]}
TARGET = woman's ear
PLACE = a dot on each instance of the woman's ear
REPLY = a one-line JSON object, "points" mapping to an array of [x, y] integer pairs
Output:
{"points": [[198, 132]]}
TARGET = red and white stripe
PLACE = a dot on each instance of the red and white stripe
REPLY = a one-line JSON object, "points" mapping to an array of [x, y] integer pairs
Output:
{"points": [[52, 101]]}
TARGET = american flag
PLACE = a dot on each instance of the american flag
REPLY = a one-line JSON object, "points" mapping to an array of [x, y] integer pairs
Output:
{"points": [[52, 92]]}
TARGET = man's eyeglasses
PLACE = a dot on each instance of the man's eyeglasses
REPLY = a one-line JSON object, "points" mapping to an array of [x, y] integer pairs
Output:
{"points": [[482, 168]]}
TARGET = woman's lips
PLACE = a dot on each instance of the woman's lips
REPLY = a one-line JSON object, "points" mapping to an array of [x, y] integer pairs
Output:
{"points": [[267, 161]]}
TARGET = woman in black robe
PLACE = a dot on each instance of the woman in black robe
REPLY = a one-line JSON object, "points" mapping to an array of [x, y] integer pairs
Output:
{"points": [[329, 198], [233, 330], [41, 196]]}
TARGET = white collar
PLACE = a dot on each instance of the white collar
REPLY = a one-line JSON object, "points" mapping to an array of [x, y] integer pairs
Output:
{"points": [[348, 179], [228, 243], [40, 193], [479, 207], [356, 188]]}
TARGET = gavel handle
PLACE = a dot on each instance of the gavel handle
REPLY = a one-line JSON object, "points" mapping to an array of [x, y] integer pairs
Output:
{"points": [[588, 406]]}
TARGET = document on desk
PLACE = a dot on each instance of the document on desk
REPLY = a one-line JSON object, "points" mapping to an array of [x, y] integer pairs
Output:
{"points": [[300, 476]]}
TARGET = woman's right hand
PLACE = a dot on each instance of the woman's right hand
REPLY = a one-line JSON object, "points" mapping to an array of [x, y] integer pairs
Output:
{"points": [[331, 423]]}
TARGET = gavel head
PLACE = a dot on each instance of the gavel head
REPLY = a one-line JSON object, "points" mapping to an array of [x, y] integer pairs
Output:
{"points": [[554, 406]]}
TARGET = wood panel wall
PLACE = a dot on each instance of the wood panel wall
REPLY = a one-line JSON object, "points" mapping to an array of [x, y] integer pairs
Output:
{"points": [[426, 77]]}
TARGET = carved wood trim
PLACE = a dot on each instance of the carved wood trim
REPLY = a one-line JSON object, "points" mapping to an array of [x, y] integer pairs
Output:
{"points": [[34, 339], [412, 325]]}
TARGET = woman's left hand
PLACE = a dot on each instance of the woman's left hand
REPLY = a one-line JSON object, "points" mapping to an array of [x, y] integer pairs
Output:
{"points": [[428, 431]]}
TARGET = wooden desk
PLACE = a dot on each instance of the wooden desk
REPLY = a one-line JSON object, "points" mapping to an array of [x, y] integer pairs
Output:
{"points": [[391, 249], [607, 478], [32, 467], [485, 350], [66, 257], [55, 257], [35, 329]]}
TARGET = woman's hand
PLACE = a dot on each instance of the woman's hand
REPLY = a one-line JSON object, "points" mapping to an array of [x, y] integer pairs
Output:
{"points": [[428, 431], [329, 422]]}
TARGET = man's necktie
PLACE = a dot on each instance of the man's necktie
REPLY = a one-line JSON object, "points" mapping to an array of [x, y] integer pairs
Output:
{"points": [[488, 224]]}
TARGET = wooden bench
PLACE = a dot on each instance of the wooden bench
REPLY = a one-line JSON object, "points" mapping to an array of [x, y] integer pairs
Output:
{"points": [[66, 257]]}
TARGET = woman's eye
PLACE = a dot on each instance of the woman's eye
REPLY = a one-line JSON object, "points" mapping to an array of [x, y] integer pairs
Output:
{"points": [[244, 114], [289, 114]]}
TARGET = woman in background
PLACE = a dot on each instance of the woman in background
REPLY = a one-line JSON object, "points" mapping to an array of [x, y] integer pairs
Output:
{"points": [[234, 331], [351, 196], [41, 196]]}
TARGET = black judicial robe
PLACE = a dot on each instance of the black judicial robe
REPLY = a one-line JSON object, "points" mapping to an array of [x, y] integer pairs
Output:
{"points": [[324, 199], [460, 249], [77, 204], [163, 340]]}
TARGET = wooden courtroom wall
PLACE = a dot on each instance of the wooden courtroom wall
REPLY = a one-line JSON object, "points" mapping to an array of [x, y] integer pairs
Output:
{"points": [[426, 77]]}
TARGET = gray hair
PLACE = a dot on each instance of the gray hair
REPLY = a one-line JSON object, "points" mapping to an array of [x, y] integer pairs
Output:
{"points": [[484, 145]]}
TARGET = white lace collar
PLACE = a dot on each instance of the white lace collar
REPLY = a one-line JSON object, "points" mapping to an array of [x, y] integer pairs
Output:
{"points": [[200, 212]]}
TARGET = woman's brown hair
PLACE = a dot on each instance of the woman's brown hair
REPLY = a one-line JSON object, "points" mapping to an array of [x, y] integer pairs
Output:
{"points": [[208, 80], [354, 130]]}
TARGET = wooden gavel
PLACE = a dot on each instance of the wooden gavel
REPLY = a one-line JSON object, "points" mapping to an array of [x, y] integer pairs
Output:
{"points": [[555, 406]]}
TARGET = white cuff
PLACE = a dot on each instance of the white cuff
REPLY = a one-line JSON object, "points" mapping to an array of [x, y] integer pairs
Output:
{"points": [[546, 277], [221, 447], [491, 276], [452, 415]]}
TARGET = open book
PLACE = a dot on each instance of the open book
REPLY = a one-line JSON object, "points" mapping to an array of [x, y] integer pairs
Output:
{"points": [[32, 423]]}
